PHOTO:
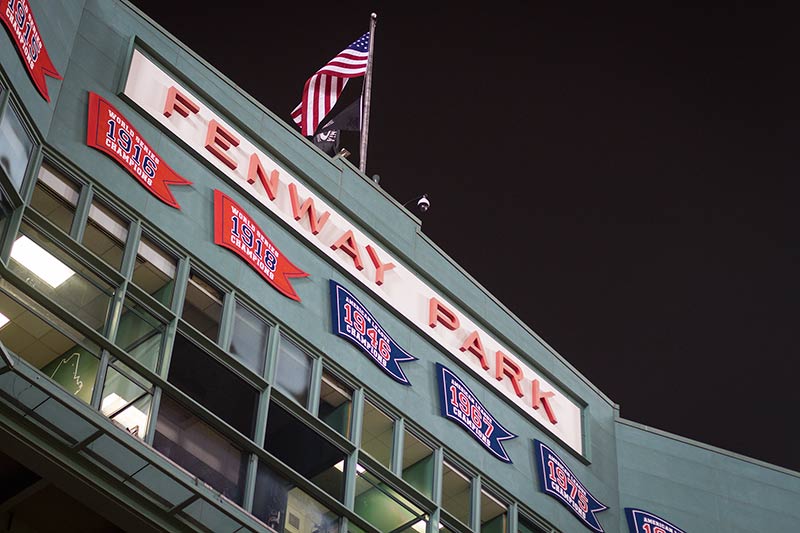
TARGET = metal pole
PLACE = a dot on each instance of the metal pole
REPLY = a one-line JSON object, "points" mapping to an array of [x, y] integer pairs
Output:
{"points": [[367, 91]]}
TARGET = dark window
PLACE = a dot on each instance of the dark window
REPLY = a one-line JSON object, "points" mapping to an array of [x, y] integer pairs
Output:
{"points": [[527, 526], [250, 336], [293, 373], [201, 450], [305, 450], [211, 384], [15, 147]]}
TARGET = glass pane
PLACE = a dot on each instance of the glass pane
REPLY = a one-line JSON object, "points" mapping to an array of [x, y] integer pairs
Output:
{"points": [[55, 197], [211, 384], [305, 451], [493, 514], [418, 464], [105, 234], [48, 344], [293, 371], [249, 341], [15, 147], [377, 433], [203, 306], [456, 492], [154, 271], [140, 334], [201, 450], [43, 265], [382, 506], [284, 507], [527, 526], [335, 403], [126, 402]]}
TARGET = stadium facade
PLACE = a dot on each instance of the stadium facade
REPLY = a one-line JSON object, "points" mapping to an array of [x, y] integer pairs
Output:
{"points": [[208, 324]]}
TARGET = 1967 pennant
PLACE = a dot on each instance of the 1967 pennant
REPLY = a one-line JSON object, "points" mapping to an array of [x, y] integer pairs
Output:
{"points": [[235, 230]]}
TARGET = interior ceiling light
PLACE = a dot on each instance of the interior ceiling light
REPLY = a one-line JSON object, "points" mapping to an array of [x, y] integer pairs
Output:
{"points": [[40, 262], [3, 320]]}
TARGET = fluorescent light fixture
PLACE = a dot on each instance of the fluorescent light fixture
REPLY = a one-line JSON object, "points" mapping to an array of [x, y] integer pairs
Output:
{"points": [[40, 262], [3, 320], [131, 418], [420, 526]]}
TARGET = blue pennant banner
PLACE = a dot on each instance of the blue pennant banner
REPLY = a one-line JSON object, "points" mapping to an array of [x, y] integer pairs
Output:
{"points": [[557, 480], [460, 405], [643, 522], [352, 321]]}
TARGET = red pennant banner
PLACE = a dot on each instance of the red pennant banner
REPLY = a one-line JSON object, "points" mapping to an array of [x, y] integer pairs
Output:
{"points": [[18, 18], [235, 230], [110, 132]]}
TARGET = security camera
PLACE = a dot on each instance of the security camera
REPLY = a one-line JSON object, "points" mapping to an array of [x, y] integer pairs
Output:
{"points": [[423, 203]]}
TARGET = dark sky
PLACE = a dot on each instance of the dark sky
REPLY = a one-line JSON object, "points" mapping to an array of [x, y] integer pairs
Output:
{"points": [[624, 178]]}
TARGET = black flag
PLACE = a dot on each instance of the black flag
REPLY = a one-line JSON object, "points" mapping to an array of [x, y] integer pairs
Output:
{"points": [[327, 136]]}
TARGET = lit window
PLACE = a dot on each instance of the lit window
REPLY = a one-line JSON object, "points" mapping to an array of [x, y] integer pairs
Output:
{"points": [[140, 334], [202, 307], [417, 464], [335, 403], [55, 197], [377, 431], [154, 271], [125, 401], [493, 514], [105, 234], [456, 497], [384, 507]]}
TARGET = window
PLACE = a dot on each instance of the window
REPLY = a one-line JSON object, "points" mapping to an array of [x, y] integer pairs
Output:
{"points": [[493, 514], [60, 352], [105, 234], [44, 265], [418, 464], [293, 371], [384, 507], [203, 305], [335, 403], [55, 197], [154, 271], [284, 507], [140, 334], [15, 147], [456, 495], [127, 398], [528, 526], [211, 384], [377, 432], [305, 450], [249, 340], [200, 449]]}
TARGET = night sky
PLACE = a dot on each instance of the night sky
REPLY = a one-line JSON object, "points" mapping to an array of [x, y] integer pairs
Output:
{"points": [[624, 178]]}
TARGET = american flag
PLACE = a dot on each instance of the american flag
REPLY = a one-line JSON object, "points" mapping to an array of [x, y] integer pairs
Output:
{"points": [[326, 85]]}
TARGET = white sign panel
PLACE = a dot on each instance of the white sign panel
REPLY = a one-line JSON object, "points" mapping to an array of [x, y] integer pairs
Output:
{"points": [[271, 185]]}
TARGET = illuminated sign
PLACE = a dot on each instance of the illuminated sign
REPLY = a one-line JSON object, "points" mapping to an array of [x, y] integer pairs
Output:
{"points": [[236, 231], [18, 18], [351, 320], [643, 522], [271, 185], [459, 404], [557, 480], [110, 132]]}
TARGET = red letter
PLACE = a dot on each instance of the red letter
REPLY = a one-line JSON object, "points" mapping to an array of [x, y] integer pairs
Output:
{"points": [[347, 242], [505, 366], [437, 312], [308, 207], [474, 345], [380, 268], [542, 397], [255, 170], [179, 102], [218, 137]]}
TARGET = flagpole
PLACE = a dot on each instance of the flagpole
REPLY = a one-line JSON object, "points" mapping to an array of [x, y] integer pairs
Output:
{"points": [[366, 92]]}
